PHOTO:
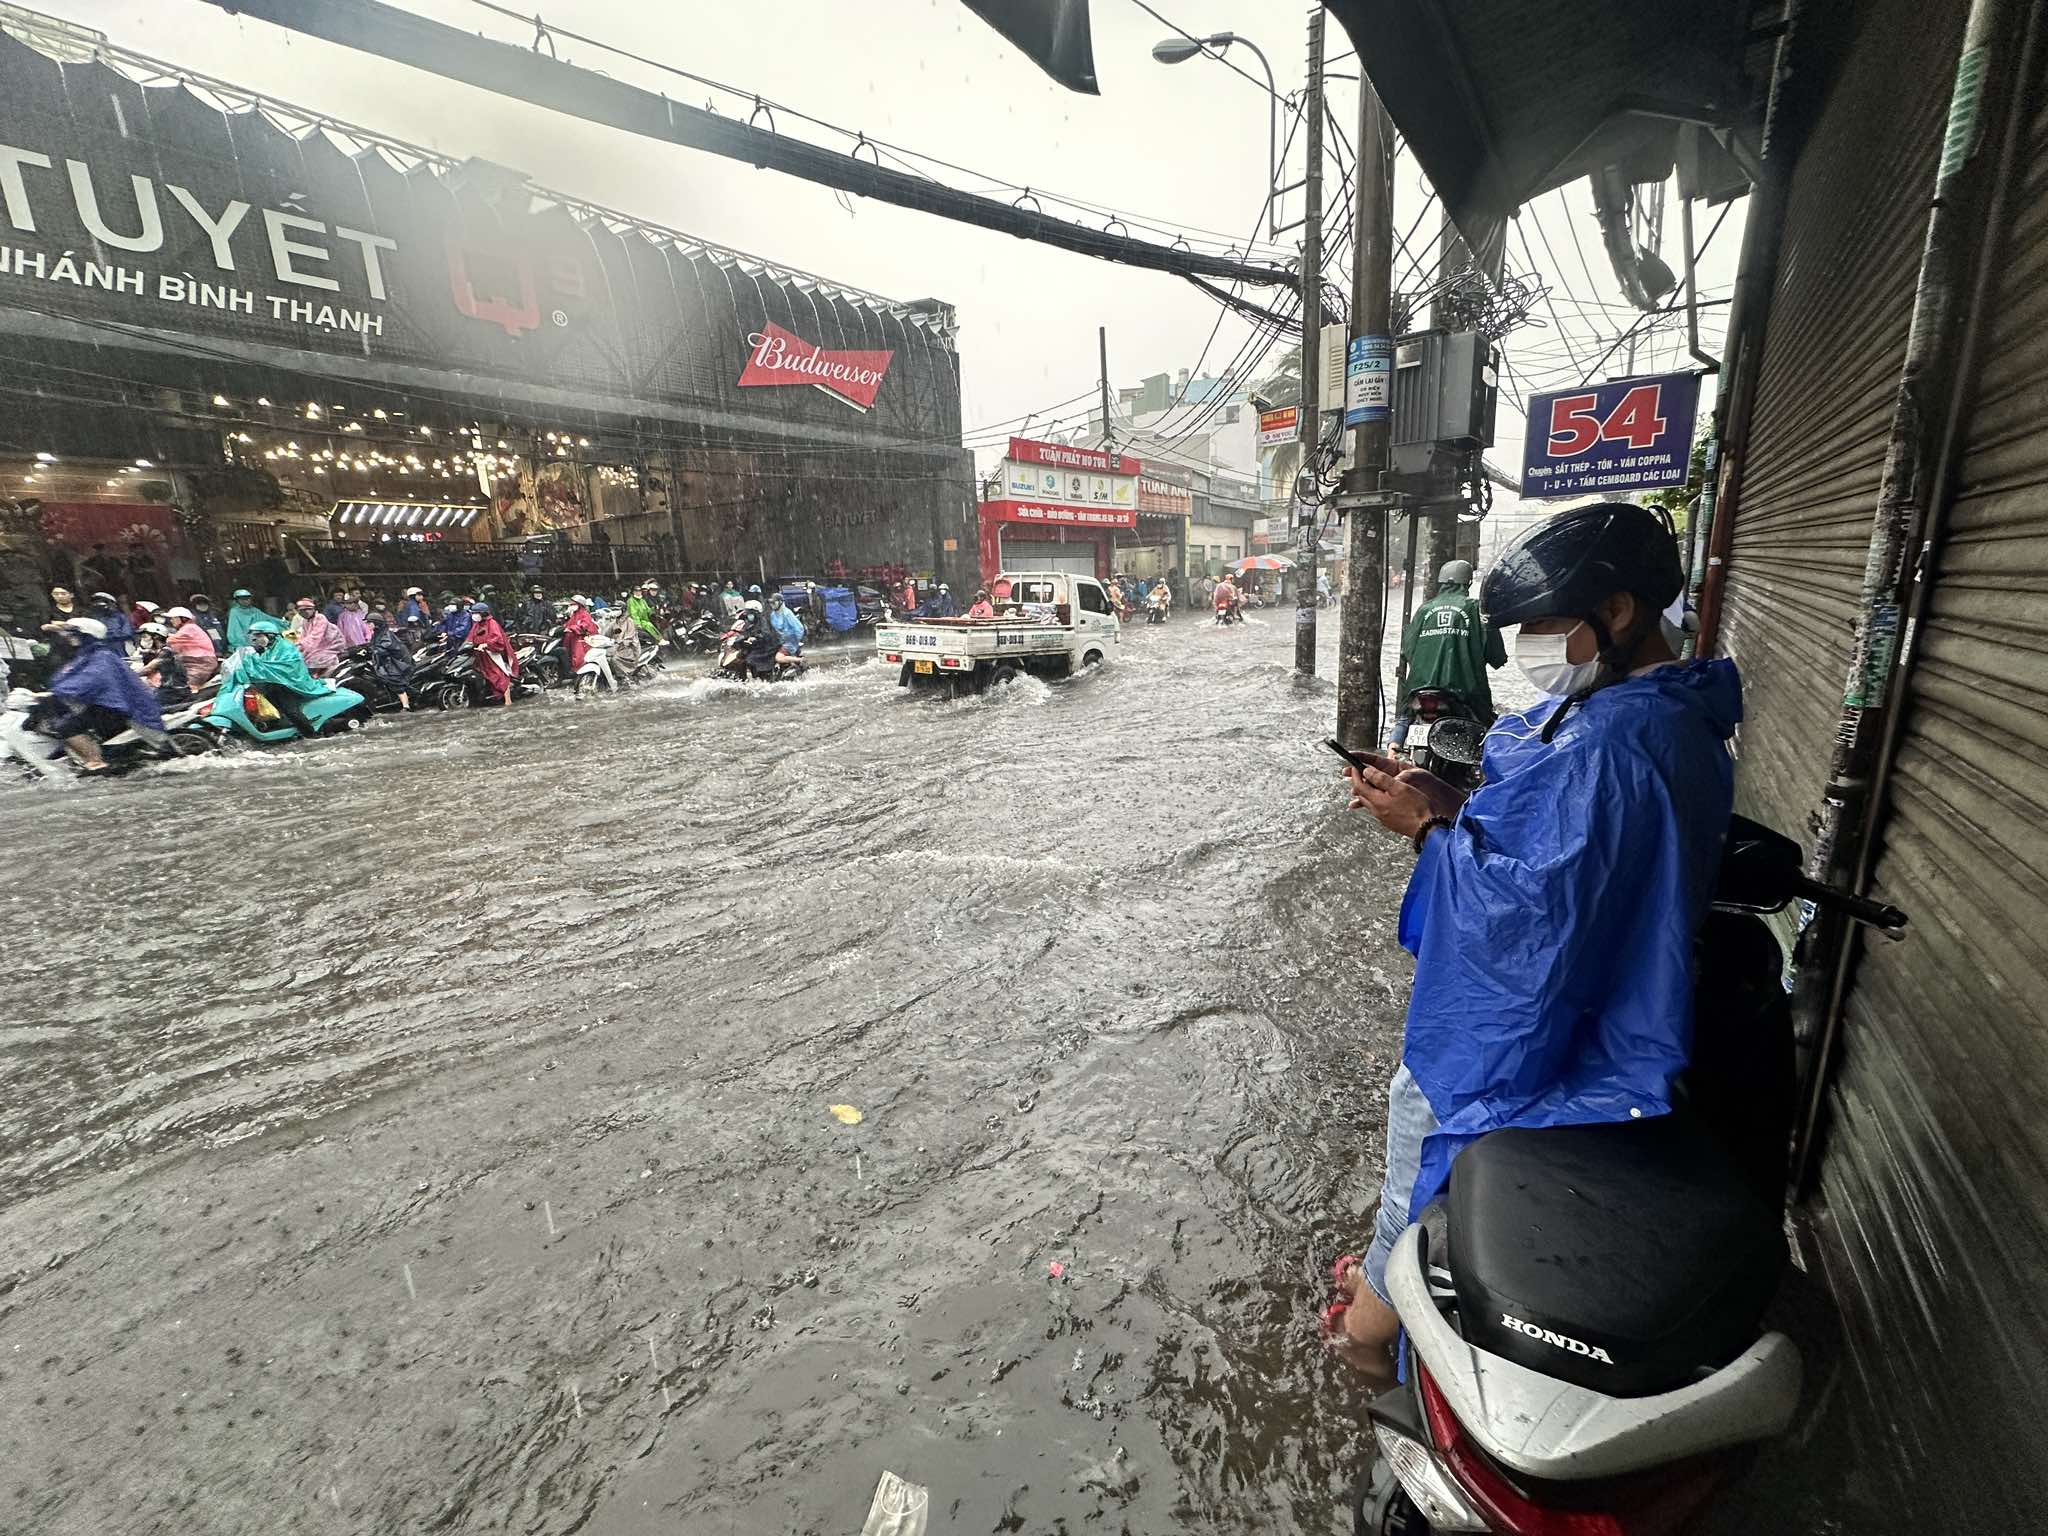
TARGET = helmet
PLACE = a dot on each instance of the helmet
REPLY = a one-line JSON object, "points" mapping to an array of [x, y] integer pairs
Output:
{"points": [[1456, 573], [536, 589], [754, 603], [412, 592], [944, 588], [753, 591], [265, 627], [145, 605], [480, 610], [153, 628], [178, 613], [92, 629], [580, 600], [199, 597], [1570, 564], [238, 592], [105, 597]]}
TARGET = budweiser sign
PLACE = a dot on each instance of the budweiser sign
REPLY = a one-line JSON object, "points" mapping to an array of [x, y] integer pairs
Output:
{"points": [[780, 358]]}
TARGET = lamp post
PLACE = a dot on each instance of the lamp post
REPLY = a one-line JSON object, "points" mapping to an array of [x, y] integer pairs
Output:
{"points": [[1176, 50]]}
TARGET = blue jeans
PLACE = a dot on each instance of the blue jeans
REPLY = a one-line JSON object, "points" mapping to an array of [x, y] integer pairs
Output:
{"points": [[1409, 1121]]}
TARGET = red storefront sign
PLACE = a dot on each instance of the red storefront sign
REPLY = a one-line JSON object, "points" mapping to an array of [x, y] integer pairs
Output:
{"points": [[1052, 515], [1025, 450], [781, 358]]}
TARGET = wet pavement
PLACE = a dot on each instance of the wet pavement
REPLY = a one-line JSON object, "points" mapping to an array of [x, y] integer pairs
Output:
{"points": [[433, 1131]]}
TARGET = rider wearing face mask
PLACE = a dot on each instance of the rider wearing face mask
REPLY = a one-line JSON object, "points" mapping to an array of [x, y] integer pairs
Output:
{"points": [[1552, 914]]}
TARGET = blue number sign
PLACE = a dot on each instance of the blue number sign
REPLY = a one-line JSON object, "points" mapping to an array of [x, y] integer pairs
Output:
{"points": [[1609, 439]]}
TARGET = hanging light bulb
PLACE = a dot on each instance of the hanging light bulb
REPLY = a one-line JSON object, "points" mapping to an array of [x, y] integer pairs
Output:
{"points": [[263, 400], [312, 411], [220, 400]]}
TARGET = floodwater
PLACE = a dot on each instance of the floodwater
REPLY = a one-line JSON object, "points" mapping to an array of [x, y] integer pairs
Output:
{"points": [[434, 1130]]}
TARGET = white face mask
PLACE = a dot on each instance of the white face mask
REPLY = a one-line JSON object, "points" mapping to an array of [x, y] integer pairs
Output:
{"points": [[1542, 659]]}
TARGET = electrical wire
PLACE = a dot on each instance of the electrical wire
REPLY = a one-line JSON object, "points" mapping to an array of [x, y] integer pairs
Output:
{"points": [[773, 108]]}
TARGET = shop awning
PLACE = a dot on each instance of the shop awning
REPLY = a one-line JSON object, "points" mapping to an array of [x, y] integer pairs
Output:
{"points": [[1500, 100]]}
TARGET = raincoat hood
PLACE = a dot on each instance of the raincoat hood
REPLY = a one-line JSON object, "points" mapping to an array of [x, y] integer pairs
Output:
{"points": [[282, 664], [1553, 924]]}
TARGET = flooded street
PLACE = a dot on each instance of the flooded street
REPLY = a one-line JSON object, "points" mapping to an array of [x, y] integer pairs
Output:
{"points": [[434, 1131]]}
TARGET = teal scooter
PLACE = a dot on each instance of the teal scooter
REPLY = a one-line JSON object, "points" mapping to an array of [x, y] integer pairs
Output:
{"points": [[333, 711]]}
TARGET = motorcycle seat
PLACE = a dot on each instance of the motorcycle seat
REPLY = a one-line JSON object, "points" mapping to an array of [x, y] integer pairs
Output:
{"points": [[1627, 1258]]}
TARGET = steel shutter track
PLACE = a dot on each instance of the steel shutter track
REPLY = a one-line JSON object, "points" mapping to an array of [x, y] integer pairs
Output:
{"points": [[1833, 348], [1937, 1169]]}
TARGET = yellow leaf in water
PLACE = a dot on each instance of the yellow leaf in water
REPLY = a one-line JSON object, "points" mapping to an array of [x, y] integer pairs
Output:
{"points": [[846, 1114]]}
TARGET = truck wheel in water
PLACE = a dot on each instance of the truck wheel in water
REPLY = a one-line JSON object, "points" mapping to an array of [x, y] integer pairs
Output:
{"points": [[1092, 659], [1005, 672]]}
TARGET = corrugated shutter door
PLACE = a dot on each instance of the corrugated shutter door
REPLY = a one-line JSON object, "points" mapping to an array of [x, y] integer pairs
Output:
{"points": [[1833, 348], [1937, 1167], [1036, 555]]}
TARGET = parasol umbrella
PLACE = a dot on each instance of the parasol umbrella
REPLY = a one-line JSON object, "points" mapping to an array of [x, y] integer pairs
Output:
{"points": [[1264, 563]]}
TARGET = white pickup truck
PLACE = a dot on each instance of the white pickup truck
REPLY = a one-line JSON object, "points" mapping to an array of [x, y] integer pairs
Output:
{"points": [[1046, 621]]}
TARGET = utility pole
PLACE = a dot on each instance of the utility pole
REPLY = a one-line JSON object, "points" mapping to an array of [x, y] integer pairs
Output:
{"points": [[1306, 509], [1102, 342], [1441, 545], [1368, 408]]}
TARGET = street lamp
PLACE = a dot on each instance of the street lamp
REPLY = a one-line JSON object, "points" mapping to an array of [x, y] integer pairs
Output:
{"points": [[1177, 50]]}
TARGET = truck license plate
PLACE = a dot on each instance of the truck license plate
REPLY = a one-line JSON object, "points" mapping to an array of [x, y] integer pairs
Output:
{"points": [[922, 666]]}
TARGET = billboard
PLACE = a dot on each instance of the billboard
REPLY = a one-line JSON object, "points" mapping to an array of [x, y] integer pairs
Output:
{"points": [[1612, 438], [147, 209], [1075, 477], [1279, 426]]}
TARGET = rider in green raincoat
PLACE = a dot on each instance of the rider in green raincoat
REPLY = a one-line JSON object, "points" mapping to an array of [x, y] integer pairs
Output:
{"points": [[1450, 644], [641, 611], [274, 667]]}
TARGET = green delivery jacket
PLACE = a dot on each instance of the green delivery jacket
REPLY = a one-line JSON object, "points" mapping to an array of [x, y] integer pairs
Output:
{"points": [[1449, 645]]}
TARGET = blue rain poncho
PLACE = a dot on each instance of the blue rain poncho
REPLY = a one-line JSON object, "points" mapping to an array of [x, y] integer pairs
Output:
{"points": [[789, 628], [100, 674], [240, 617], [1552, 926], [455, 625]]}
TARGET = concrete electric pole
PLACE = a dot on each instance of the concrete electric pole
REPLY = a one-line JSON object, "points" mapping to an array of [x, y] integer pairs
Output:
{"points": [[1306, 509], [1368, 409], [1102, 344]]}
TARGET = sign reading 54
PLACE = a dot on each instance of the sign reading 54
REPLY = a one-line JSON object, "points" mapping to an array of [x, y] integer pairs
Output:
{"points": [[1577, 427]]}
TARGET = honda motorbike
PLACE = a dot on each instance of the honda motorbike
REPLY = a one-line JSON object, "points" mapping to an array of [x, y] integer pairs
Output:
{"points": [[1234, 614], [1445, 737], [1582, 1311], [543, 658], [358, 673]]}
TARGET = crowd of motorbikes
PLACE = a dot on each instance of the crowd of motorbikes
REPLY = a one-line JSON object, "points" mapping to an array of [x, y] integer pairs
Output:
{"points": [[445, 675]]}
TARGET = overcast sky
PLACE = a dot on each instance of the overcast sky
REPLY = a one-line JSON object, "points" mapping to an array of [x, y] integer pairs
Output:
{"points": [[1183, 145]]}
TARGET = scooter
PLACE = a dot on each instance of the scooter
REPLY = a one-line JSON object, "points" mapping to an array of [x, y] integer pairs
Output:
{"points": [[1445, 737], [543, 659], [1156, 613], [43, 755], [233, 718], [694, 636], [357, 673], [1234, 614], [598, 669], [1582, 1311]]}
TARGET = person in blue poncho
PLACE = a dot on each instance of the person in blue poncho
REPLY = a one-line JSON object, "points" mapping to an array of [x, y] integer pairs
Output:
{"points": [[1552, 914], [119, 625], [455, 622], [242, 612], [95, 695]]}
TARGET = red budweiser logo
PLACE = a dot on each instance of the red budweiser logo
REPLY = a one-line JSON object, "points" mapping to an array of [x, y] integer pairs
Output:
{"points": [[780, 358]]}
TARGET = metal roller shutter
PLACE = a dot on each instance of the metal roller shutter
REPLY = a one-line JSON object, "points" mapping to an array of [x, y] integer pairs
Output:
{"points": [[1936, 1176], [1833, 346], [1030, 555]]}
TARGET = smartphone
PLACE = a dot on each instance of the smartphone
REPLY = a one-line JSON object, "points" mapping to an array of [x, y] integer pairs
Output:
{"points": [[1349, 756]]}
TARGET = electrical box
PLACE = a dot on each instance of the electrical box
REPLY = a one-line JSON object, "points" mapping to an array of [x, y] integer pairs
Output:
{"points": [[1446, 387], [1336, 339]]}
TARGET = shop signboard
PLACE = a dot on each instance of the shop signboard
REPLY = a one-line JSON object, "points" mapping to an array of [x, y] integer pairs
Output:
{"points": [[1052, 473], [1163, 498], [1058, 515], [1279, 426], [152, 213], [1610, 439]]}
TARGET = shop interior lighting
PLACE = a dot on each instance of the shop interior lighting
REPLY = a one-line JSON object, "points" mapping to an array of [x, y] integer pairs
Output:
{"points": [[263, 399], [46, 458], [220, 400]]}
